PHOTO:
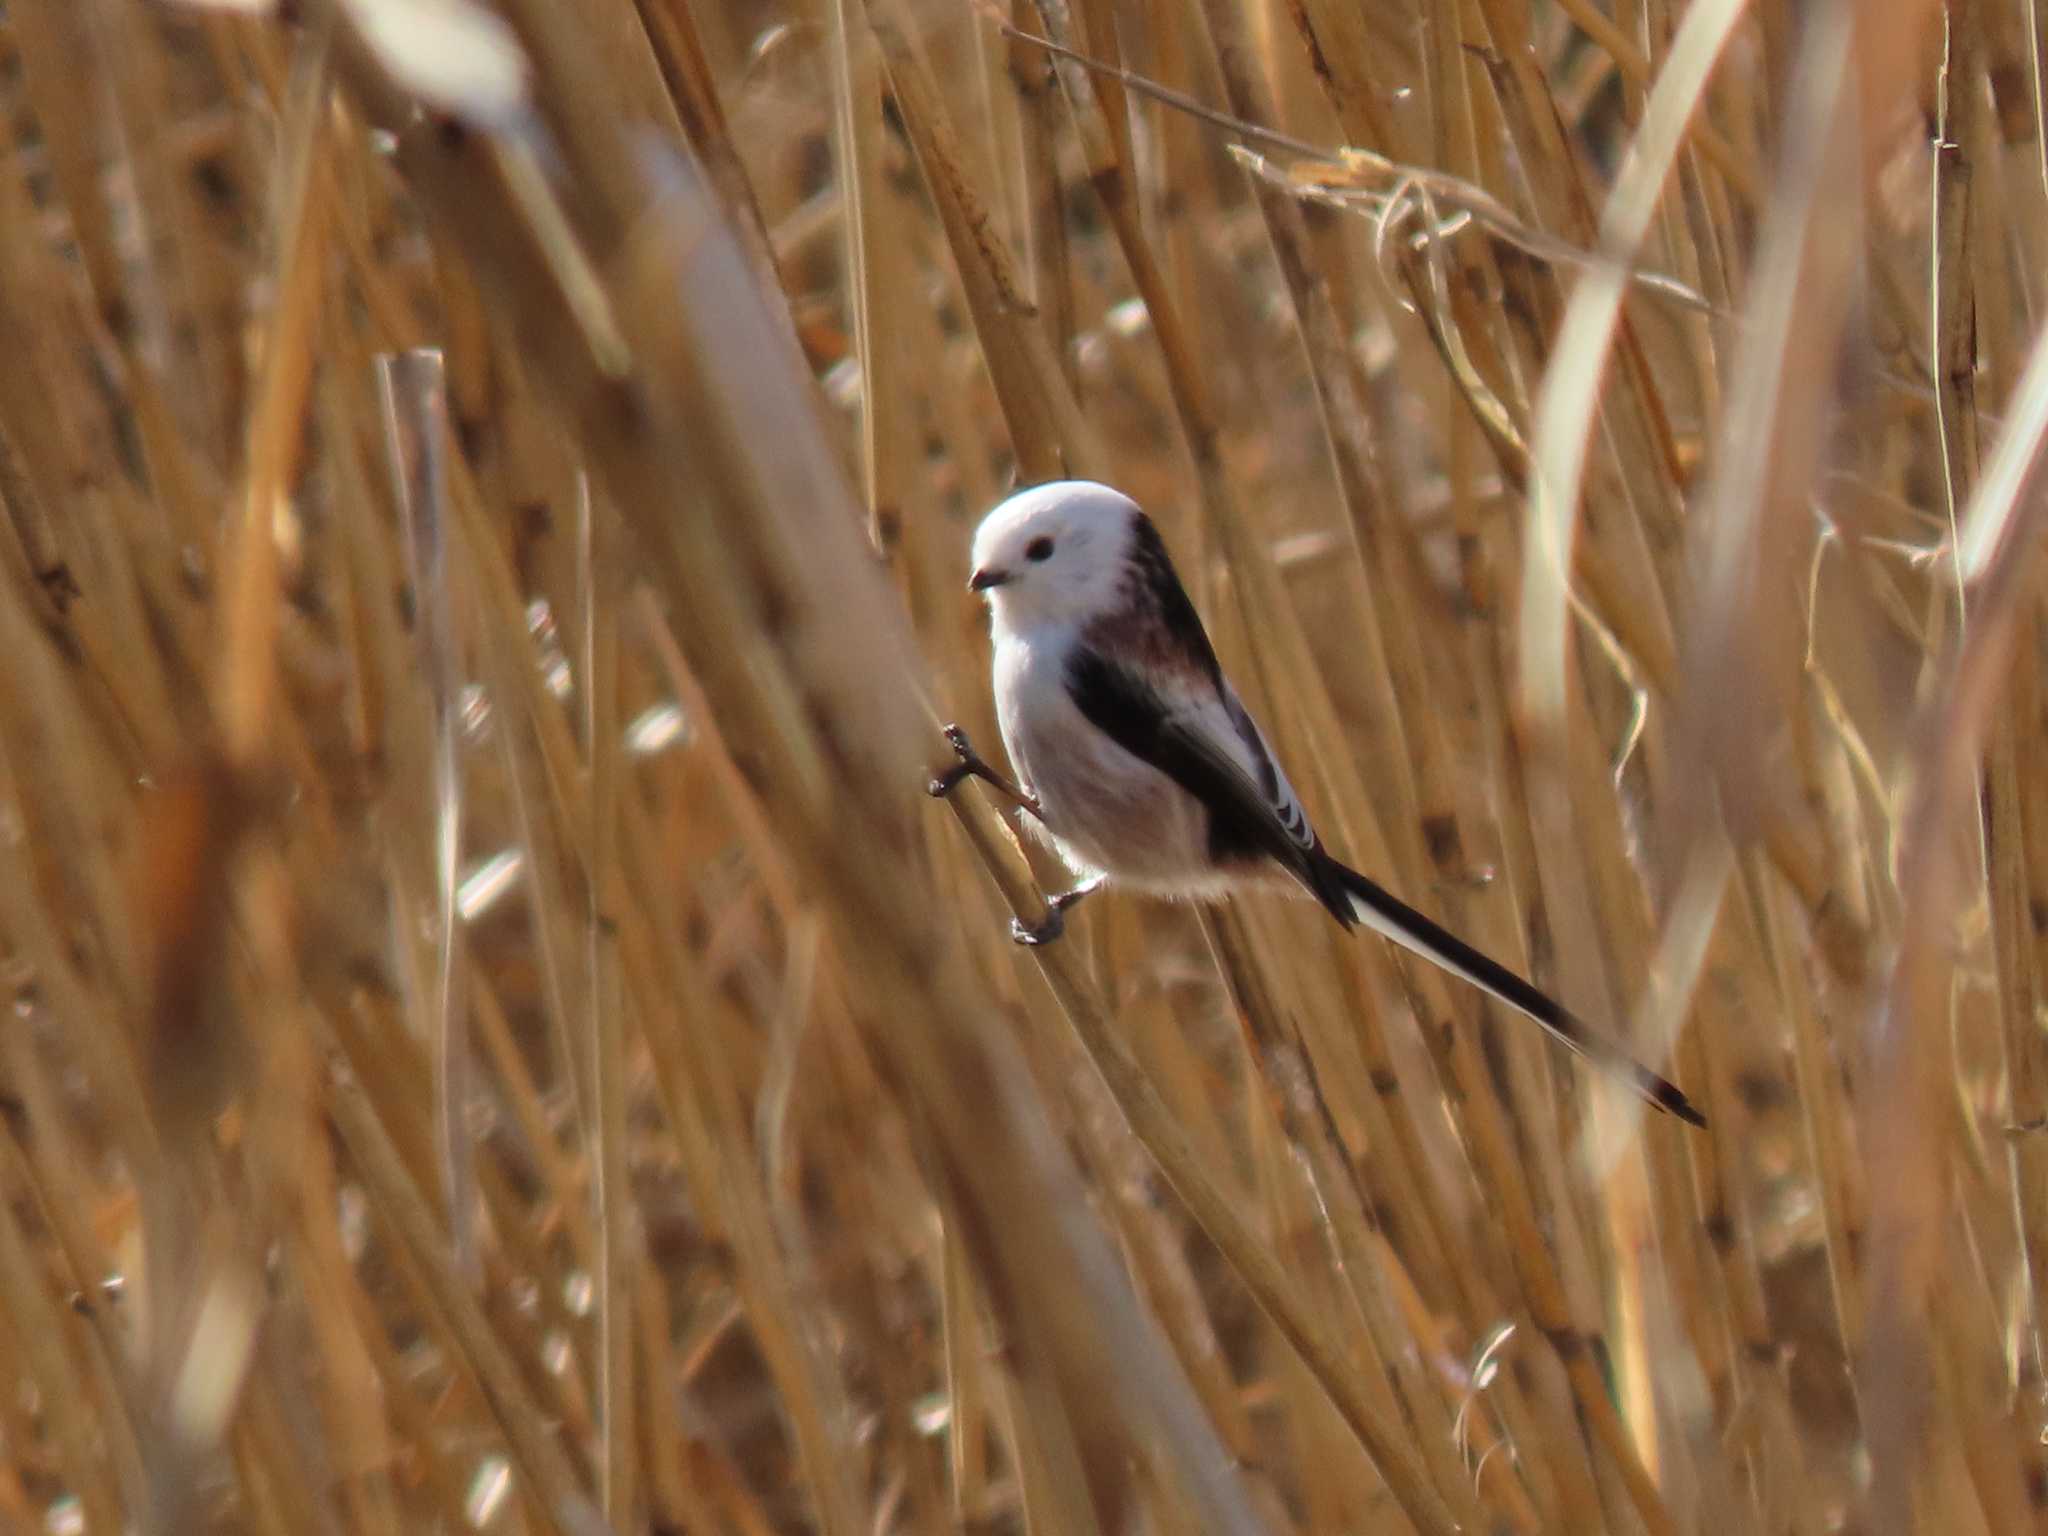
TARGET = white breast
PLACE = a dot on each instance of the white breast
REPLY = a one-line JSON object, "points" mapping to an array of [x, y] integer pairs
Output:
{"points": [[1106, 811]]}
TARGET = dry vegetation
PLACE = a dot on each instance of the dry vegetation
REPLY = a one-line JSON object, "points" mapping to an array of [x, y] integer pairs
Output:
{"points": [[498, 1035]]}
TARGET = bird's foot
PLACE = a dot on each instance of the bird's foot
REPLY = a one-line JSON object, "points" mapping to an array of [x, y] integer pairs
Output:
{"points": [[969, 764], [1054, 923], [949, 779], [966, 763], [1033, 935]]}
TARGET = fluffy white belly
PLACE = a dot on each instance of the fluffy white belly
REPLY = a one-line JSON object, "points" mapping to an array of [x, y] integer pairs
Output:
{"points": [[1106, 811]]}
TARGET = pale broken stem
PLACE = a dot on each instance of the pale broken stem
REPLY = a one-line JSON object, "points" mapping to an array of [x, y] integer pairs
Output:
{"points": [[413, 387]]}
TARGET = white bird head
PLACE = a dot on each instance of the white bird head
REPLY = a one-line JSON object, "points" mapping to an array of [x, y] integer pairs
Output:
{"points": [[1053, 554]]}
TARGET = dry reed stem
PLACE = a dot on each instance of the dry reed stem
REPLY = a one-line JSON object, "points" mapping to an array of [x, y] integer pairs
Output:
{"points": [[46, 1344], [603, 588], [700, 1093], [1992, 559], [1046, 427], [249, 679], [1300, 1111], [1157, 1130], [775, 712], [758, 1025], [377, 1161]]}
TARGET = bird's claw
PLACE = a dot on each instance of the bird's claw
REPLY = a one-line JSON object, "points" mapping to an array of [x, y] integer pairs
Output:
{"points": [[1054, 923], [1032, 935], [970, 765]]}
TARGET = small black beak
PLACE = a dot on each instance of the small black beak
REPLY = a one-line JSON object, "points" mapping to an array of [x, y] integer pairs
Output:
{"points": [[985, 578]]}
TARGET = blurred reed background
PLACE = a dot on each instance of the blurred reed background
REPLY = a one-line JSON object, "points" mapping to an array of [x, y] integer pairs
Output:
{"points": [[499, 1036]]}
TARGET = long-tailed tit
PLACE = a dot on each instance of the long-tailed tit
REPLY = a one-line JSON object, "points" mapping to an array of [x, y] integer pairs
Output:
{"points": [[1142, 767]]}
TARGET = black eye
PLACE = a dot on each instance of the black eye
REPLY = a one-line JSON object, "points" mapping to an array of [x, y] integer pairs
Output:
{"points": [[1038, 549]]}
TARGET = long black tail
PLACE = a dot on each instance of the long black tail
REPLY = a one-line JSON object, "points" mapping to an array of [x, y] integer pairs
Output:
{"points": [[1365, 902]]}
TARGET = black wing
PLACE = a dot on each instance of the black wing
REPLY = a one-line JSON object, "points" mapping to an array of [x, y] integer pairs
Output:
{"points": [[1174, 709], [1153, 596], [1253, 814]]}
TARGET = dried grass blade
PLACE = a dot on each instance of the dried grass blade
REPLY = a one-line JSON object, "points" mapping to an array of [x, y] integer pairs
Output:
{"points": [[1906, 1108], [1567, 406]]}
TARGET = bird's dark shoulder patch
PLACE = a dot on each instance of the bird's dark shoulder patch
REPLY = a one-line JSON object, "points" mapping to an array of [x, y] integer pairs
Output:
{"points": [[1154, 623], [1117, 702], [1243, 830]]}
